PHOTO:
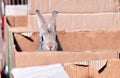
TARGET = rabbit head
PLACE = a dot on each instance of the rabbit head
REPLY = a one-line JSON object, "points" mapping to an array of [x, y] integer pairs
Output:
{"points": [[47, 32]]}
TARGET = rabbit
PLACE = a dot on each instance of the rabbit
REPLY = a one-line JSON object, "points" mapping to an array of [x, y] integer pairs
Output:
{"points": [[47, 32]]}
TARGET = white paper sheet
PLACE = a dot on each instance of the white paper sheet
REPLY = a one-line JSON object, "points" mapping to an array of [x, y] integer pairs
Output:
{"points": [[47, 71]]}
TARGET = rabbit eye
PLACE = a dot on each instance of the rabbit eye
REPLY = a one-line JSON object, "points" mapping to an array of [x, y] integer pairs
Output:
{"points": [[42, 38]]}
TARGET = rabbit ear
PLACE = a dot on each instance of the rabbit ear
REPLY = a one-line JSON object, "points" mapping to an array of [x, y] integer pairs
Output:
{"points": [[51, 22], [41, 22]]}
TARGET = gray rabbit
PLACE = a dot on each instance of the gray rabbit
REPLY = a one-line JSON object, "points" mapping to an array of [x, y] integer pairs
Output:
{"points": [[47, 32]]}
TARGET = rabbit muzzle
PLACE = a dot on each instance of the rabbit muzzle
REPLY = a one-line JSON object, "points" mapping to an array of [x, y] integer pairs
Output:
{"points": [[50, 46]]}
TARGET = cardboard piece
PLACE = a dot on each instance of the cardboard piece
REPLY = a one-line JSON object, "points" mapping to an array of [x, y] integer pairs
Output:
{"points": [[75, 71], [28, 46], [19, 21], [29, 59], [79, 6], [72, 22], [111, 70], [80, 22], [76, 41]]}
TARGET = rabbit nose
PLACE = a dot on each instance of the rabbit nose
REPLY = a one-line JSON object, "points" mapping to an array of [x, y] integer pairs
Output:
{"points": [[50, 47]]}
